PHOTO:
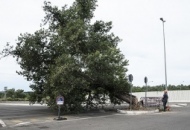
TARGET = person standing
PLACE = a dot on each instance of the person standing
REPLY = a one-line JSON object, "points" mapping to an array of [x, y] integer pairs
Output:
{"points": [[165, 99]]}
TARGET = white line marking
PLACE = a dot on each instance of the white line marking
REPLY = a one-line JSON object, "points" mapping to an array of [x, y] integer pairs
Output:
{"points": [[2, 123], [41, 122], [23, 123], [14, 104]]}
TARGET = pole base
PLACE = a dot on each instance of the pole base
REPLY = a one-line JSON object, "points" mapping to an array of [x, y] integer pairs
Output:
{"points": [[60, 118]]}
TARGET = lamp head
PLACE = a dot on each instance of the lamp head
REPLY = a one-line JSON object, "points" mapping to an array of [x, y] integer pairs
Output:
{"points": [[162, 20]]}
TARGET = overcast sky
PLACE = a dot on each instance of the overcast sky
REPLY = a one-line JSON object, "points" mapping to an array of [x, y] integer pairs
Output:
{"points": [[136, 22]]}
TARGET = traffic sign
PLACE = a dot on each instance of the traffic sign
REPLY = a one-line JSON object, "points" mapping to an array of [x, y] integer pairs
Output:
{"points": [[131, 78], [145, 80], [60, 100]]}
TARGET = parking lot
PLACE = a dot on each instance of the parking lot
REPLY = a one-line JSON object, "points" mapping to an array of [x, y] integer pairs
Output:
{"points": [[37, 116]]}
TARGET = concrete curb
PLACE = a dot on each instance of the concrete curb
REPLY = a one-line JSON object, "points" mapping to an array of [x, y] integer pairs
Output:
{"points": [[128, 112], [182, 104], [178, 105]]}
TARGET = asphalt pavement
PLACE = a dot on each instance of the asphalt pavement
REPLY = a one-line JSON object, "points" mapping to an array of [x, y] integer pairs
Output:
{"points": [[15, 116]]}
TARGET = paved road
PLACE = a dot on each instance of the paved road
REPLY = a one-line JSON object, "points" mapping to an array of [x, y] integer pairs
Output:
{"points": [[177, 119], [15, 114], [12, 114]]}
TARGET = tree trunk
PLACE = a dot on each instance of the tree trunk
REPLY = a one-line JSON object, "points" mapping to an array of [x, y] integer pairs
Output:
{"points": [[127, 98]]}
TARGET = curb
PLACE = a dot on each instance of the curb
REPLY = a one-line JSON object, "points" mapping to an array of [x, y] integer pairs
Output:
{"points": [[179, 105], [182, 104], [127, 112]]}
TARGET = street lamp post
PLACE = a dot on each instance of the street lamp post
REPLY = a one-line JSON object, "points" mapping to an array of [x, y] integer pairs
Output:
{"points": [[163, 21]]}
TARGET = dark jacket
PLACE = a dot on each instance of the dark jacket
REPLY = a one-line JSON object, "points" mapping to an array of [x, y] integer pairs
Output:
{"points": [[165, 97]]}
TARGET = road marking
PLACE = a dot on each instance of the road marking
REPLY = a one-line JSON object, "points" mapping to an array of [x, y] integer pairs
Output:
{"points": [[78, 118], [2, 123], [14, 104], [23, 123], [41, 122]]}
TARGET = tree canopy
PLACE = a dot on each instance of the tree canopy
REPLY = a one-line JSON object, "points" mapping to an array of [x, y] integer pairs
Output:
{"points": [[72, 56]]}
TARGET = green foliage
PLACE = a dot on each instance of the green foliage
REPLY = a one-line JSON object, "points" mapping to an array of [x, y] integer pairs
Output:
{"points": [[161, 88], [20, 94], [73, 57], [12, 95], [1, 94]]}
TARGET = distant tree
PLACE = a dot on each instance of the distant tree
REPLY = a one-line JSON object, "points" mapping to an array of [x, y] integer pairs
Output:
{"points": [[10, 93], [15, 94], [160, 88], [137, 89], [20, 94], [1, 94]]}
